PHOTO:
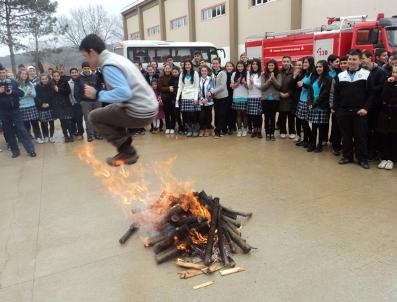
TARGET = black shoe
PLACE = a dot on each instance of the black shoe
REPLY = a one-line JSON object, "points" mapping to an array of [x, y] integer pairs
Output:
{"points": [[268, 137], [272, 137], [364, 164], [259, 135], [122, 159], [15, 155], [90, 139], [336, 152], [311, 148], [300, 144], [306, 145], [33, 154], [319, 149], [344, 161], [230, 132], [254, 134], [97, 137]]}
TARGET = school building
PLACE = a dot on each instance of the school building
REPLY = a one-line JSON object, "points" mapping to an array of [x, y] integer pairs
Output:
{"points": [[228, 23]]}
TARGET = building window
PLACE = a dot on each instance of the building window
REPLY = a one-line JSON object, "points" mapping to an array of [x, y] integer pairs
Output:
{"points": [[178, 23], [214, 11], [152, 31], [259, 2], [135, 36]]}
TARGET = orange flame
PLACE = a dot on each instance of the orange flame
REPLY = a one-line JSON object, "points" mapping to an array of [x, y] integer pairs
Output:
{"points": [[197, 238]]}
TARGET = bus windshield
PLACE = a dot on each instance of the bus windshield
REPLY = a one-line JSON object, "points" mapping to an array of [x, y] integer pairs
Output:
{"points": [[145, 54], [391, 33]]}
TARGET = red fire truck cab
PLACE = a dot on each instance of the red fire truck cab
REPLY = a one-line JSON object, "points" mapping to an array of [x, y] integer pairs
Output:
{"points": [[337, 37]]}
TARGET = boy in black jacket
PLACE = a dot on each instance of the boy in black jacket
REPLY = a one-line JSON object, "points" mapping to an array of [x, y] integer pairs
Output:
{"points": [[351, 103]]}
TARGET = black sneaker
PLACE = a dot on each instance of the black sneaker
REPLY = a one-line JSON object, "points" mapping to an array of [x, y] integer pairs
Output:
{"points": [[122, 159], [311, 148], [259, 135], [253, 134], [272, 137], [336, 152], [345, 161], [364, 164], [97, 137], [32, 154], [300, 144], [90, 139], [268, 137], [319, 149], [15, 155]]}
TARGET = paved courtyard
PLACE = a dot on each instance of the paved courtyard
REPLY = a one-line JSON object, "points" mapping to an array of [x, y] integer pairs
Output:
{"points": [[323, 232]]}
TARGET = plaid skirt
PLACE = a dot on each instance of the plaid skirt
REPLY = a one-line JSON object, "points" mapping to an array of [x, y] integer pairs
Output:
{"points": [[46, 116], [302, 111], [242, 106], [318, 116], [254, 106], [187, 105], [29, 114]]}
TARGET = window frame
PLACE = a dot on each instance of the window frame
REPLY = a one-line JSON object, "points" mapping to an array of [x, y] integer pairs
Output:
{"points": [[262, 2], [135, 35], [206, 12], [367, 42], [154, 28], [184, 18]]}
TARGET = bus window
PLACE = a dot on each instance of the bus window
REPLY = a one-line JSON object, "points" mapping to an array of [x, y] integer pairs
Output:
{"points": [[181, 54], [205, 54], [214, 54], [161, 54], [138, 53]]}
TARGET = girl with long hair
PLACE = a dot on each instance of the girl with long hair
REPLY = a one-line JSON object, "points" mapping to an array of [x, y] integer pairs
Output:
{"points": [[188, 88], [27, 106], [302, 111], [318, 103], [44, 99], [254, 105], [240, 95], [271, 84]]}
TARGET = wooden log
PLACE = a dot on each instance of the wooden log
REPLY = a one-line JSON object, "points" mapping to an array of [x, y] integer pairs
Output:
{"points": [[238, 213], [205, 199], [205, 284], [241, 243], [166, 255], [221, 240], [190, 273], [231, 228], [231, 244], [175, 210], [229, 271], [162, 245], [211, 234], [234, 222], [232, 263], [186, 264], [131, 230]]}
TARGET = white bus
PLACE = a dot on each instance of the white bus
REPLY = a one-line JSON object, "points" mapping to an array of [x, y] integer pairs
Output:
{"points": [[145, 50]]}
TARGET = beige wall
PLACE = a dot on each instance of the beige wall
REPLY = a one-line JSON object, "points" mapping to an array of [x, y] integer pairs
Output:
{"points": [[215, 30], [151, 17], [324, 9], [175, 9], [254, 20], [132, 25]]}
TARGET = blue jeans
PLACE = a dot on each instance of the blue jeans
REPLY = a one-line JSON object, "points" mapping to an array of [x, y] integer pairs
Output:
{"points": [[9, 120]]}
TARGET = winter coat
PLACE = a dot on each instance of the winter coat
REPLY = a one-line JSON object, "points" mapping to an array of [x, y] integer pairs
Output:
{"points": [[387, 120], [81, 81], [322, 102], [62, 107], [164, 87], [376, 82], [10, 102], [285, 104], [44, 95], [271, 88]]}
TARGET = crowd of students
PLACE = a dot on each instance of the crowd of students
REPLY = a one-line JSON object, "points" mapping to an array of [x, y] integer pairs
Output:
{"points": [[355, 94]]}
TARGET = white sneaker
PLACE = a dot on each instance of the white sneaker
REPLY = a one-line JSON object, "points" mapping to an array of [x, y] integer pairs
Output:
{"points": [[52, 140], [383, 164], [244, 132], [292, 136], [297, 139], [389, 165], [39, 141], [46, 140], [167, 131], [172, 131], [283, 135], [239, 132]]}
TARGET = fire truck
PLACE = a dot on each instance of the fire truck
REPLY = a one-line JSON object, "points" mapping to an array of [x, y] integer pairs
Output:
{"points": [[337, 37]]}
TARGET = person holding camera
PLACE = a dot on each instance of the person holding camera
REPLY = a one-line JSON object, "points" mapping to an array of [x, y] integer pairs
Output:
{"points": [[10, 115]]}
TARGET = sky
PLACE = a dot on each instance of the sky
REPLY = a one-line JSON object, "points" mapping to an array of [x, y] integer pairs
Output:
{"points": [[112, 6]]}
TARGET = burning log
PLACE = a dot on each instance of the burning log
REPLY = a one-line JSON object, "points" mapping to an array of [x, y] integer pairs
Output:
{"points": [[166, 255], [221, 239], [211, 235], [131, 230]]}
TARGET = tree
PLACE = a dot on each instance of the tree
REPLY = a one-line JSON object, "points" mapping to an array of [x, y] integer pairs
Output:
{"points": [[86, 20], [16, 21], [42, 25]]}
